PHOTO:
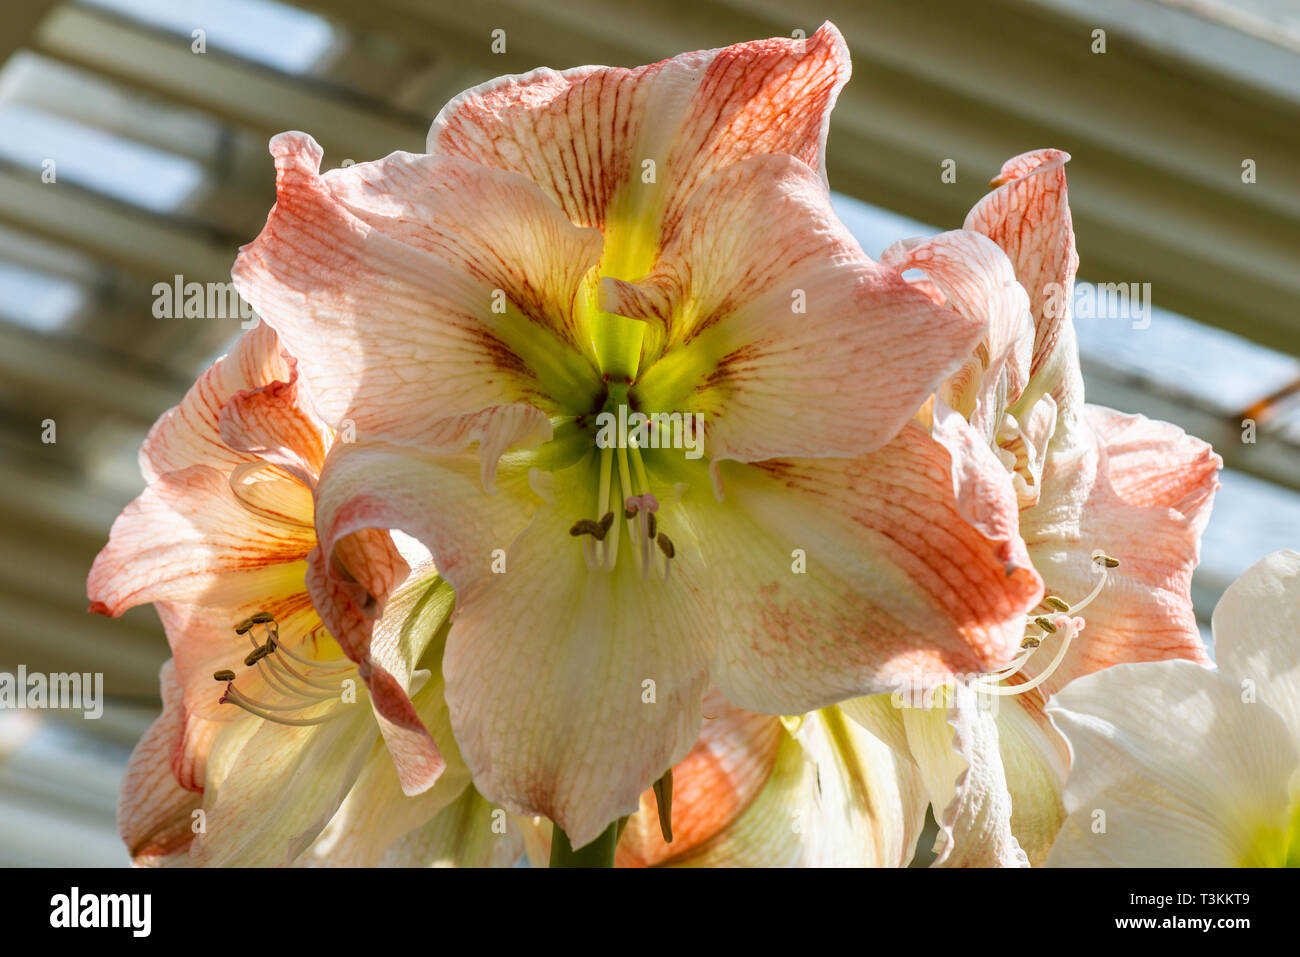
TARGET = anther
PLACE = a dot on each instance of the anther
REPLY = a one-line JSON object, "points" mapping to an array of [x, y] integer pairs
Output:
{"points": [[1051, 601], [606, 521], [585, 526], [1030, 642], [1045, 624], [257, 654], [665, 545], [224, 675], [1104, 560], [652, 525], [257, 618]]}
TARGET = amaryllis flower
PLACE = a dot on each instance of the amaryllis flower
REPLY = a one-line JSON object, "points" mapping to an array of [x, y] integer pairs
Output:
{"points": [[1111, 508], [266, 715], [578, 249], [1179, 765]]}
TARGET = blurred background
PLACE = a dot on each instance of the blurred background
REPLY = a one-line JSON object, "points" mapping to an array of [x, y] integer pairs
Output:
{"points": [[133, 149]]}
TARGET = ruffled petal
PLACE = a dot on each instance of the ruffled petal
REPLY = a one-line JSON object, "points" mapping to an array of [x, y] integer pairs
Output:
{"points": [[415, 289], [190, 433], [798, 345], [1170, 767], [836, 578], [189, 537], [623, 149], [957, 751], [1028, 215], [1139, 490], [274, 423], [976, 279]]}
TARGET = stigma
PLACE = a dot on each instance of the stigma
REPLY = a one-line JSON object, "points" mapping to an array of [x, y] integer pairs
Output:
{"points": [[308, 692]]}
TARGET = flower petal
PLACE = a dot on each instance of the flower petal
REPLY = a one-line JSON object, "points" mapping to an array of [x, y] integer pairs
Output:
{"points": [[154, 813], [585, 136], [1257, 633], [431, 302], [190, 434], [378, 814], [1140, 490], [274, 423], [957, 751], [712, 786], [977, 280], [837, 797], [611, 670], [1169, 768], [271, 788], [896, 586], [189, 537], [798, 345], [1028, 215], [470, 832]]}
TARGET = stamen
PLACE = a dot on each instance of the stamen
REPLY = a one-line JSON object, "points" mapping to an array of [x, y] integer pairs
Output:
{"points": [[1069, 632], [1051, 601], [234, 697], [224, 674]]}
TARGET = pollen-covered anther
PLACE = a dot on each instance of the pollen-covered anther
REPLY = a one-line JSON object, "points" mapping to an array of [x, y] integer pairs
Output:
{"points": [[257, 618], [587, 526], [225, 674], [1045, 623], [1057, 604], [1104, 560]]}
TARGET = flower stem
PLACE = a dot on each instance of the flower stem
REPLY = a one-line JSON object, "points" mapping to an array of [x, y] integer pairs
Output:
{"points": [[599, 853]]}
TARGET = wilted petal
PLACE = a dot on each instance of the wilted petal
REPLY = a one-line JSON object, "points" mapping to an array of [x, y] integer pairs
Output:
{"points": [[1170, 767], [797, 345]]}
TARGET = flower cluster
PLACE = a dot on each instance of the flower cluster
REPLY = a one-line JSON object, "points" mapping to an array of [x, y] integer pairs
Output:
{"points": [[424, 603]]}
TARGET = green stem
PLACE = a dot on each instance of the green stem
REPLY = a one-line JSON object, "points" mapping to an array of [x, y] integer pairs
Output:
{"points": [[599, 853]]}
